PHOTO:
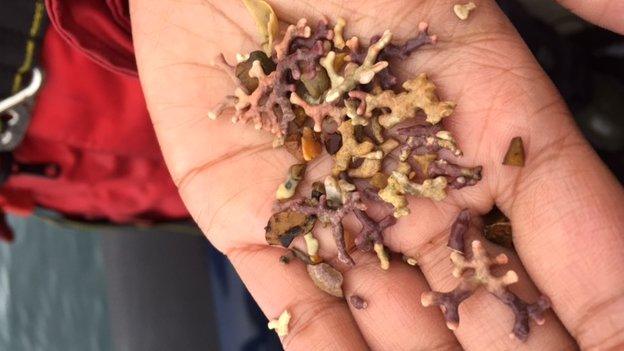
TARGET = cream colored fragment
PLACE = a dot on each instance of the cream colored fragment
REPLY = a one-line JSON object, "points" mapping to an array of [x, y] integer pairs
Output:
{"points": [[384, 259], [312, 247], [446, 141], [399, 185], [411, 261], [288, 188], [351, 112], [332, 190], [350, 148], [420, 95], [339, 41], [389, 145], [266, 21], [394, 195], [240, 58], [354, 74], [430, 188], [462, 11], [280, 325], [481, 263]]}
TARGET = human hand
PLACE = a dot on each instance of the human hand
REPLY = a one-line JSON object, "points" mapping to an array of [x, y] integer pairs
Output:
{"points": [[565, 207]]}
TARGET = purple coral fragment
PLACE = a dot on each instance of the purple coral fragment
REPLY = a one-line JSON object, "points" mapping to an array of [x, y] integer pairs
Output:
{"points": [[458, 176], [475, 273], [327, 214], [459, 228], [422, 139], [372, 231], [322, 32]]}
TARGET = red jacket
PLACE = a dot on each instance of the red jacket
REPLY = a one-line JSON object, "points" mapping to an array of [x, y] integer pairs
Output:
{"points": [[91, 119]]}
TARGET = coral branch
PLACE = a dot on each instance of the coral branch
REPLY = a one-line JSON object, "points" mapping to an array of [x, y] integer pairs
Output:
{"points": [[329, 215], [300, 30], [458, 177], [459, 228], [420, 95], [475, 273], [318, 112], [392, 51], [399, 185], [354, 74], [427, 139], [350, 148], [372, 231]]}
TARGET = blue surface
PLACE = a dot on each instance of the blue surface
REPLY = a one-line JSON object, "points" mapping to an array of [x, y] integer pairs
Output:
{"points": [[52, 290]]}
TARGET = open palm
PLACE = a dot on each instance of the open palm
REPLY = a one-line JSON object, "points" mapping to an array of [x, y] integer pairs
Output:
{"points": [[566, 209]]}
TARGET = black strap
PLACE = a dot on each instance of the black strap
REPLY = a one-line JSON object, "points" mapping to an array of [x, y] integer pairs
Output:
{"points": [[22, 25]]}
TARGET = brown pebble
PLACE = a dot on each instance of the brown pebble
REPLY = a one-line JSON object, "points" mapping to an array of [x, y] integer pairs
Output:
{"points": [[333, 143], [358, 302], [326, 278], [310, 146], [515, 153]]}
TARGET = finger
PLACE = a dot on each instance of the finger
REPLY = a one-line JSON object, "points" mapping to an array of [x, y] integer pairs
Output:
{"points": [[566, 212], [318, 321], [605, 13], [394, 319]]}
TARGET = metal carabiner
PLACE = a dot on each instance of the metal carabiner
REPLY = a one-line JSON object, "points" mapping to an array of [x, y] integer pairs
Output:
{"points": [[17, 109]]}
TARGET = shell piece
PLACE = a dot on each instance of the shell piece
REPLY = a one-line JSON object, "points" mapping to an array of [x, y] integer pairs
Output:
{"points": [[266, 21], [326, 278], [284, 226]]}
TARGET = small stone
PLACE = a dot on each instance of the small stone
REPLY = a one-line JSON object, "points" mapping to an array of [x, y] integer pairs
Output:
{"points": [[310, 146], [326, 278], [462, 11], [284, 226], [358, 302], [515, 153]]}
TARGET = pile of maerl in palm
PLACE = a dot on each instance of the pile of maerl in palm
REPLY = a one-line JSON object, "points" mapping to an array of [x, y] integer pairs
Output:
{"points": [[317, 92]]}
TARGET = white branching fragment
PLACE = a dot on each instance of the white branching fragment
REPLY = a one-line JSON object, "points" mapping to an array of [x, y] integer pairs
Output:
{"points": [[280, 325], [462, 11], [384, 259], [354, 74]]}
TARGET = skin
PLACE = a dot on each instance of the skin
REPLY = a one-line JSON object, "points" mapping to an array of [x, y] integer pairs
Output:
{"points": [[566, 208]]}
